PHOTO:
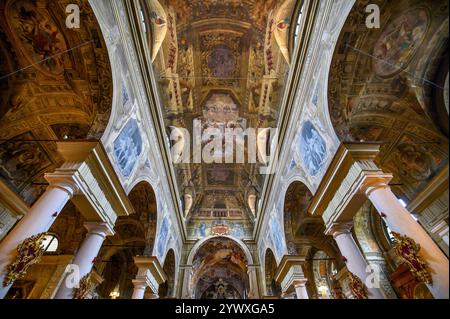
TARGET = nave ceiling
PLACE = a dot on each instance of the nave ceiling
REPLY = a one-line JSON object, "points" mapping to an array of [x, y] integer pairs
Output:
{"points": [[223, 63]]}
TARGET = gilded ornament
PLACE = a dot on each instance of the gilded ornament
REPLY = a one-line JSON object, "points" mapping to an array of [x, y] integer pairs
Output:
{"points": [[408, 250], [357, 287], [85, 288], [29, 252]]}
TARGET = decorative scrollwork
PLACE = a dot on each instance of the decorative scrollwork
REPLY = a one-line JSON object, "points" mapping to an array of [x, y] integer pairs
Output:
{"points": [[29, 252], [357, 287], [408, 250], [86, 286]]}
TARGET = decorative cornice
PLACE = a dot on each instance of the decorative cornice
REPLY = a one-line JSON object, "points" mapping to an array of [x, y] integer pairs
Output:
{"points": [[344, 159], [430, 192], [286, 264], [63, 179], [100, 196], [300, 282], [375, 183], [142, 283], [150, 268]]}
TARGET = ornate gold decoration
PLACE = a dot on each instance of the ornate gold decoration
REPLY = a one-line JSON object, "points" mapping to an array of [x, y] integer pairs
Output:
{"points": [[357, 287], [86, 286], [408, 250], [29, 252]]}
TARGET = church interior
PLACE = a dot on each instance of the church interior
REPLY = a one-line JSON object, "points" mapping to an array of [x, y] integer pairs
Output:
{"points": [[117, 179]]}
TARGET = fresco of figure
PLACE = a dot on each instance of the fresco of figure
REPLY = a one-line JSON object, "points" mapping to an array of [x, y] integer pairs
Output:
{"points": [[128, 148], [163, 237], [313, 149]]}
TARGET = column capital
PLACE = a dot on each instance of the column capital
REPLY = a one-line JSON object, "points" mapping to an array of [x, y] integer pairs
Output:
{"points": [[140, 283], [336, 229], [300, 283], [151, 269], [101, 229], [375, 182], [63, 179]]}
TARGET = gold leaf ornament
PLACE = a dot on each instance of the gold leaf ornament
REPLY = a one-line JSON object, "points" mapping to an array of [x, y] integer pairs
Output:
{"points": [[408, 250], [85, 288], [357, 287], [29, 253]]}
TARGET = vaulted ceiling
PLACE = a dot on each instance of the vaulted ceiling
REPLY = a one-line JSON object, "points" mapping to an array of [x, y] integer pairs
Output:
{"points": [[55, 83], [223, 63], [387, 85]]}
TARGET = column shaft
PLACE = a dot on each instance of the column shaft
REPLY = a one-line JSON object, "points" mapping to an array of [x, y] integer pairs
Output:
{"points": [[400, 221], [38, 220], [139, 291], [85, 256], [356, 262], [300, 290]]}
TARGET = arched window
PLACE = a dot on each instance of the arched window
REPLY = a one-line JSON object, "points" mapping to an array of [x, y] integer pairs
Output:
{"points": [[50, 243]]}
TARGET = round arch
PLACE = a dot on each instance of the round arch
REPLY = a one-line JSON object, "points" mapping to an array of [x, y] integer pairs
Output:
{"points": [[203, 241], [134, 236], [295, 215], [253, 284], [270, 267], [167, 289]]}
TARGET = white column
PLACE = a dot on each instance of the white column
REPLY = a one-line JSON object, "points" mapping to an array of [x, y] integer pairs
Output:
{"points": [[399, 220], [39, 219], [253, 281], [356, 263], [300, 289], [139, 289], [86, 254], [187, 275]]}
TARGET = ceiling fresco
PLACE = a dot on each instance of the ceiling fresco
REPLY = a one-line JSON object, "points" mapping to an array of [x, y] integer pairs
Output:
{"points": [[383, 86], [55, 83], [221, 64], [399, 41]]}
